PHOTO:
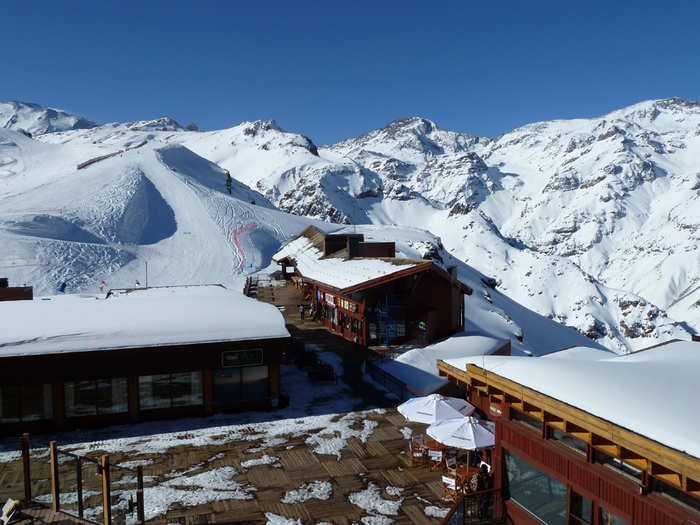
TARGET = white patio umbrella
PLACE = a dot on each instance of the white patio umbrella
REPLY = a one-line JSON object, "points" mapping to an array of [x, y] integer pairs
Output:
{"points": [[434, 408], [467, 433]]}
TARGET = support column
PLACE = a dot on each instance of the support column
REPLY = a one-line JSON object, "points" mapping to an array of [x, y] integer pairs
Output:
{"points": [[106, 492], [59, 404], [134, 399], [55, 489], [208, 391], [25, 462]]}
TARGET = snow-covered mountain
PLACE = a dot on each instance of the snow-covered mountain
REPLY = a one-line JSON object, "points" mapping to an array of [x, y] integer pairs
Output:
{"points": [[591, 222], [36, 120], [156, 202]]}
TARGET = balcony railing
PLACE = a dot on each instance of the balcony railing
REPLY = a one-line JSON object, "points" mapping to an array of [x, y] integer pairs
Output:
{"points": [[483, 507]]}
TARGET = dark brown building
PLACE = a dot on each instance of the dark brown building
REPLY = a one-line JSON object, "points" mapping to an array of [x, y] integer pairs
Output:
{"points": [[368, 295], [74, 361], [585, 438]]}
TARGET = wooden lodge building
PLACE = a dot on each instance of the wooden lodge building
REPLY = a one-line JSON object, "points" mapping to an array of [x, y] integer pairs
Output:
{"points": [[362, 291], [76, 361], [583, 437]]}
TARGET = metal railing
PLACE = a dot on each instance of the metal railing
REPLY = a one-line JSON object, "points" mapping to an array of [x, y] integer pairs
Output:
{"points": [[83, 487], [483, 507]]}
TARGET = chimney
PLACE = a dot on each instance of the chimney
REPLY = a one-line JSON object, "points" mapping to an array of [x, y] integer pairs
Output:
{"points": [[353, 246]]}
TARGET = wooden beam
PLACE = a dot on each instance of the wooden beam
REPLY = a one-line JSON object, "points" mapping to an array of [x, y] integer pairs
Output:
{"points": [[106, 491], [587, 425], [55, 488]]}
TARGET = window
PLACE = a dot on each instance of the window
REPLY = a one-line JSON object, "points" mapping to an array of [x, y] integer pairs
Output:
{"points": [[535, 491], [580, 509], [254, 356], [569, 441], [232, 385], [608, 518], [618, 465], [25, 403], [96, 397], [526, 419], [675, 494], [170, 390]]}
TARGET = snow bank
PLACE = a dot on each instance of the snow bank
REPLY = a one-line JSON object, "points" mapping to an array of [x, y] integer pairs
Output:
{"points": [[418, 367]]}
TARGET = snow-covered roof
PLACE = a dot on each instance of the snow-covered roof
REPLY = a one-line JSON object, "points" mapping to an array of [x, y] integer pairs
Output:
{"points": [[336, 271], [651, 392], [144, 317], [418, 367]]}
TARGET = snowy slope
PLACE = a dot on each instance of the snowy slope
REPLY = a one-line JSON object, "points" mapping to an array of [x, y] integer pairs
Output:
{"points": [[590, 222], [163, 205], [37, 120], [157, 204]]}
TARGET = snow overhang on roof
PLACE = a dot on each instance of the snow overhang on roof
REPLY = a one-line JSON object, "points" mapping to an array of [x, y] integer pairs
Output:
{"points": [[131, 319], [653, 393]]}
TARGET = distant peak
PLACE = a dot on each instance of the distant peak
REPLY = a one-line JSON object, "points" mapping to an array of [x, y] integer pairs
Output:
{"points": [[38, 119], [158, 124], [425, 125]]}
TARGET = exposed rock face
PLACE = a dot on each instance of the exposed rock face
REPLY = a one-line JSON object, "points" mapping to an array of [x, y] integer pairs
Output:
{"points": [[37, 120], [566, 215]]}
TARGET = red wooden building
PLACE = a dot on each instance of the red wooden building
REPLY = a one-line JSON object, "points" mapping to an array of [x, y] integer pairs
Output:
{"points": [[74, 361], [368, 295], [591, 439]]}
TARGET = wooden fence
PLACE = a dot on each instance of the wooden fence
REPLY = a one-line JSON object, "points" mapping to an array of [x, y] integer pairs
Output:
{"points": [[60, 476]]}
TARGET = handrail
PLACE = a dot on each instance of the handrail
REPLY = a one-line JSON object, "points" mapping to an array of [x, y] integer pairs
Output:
{"points": [[460, 501]]}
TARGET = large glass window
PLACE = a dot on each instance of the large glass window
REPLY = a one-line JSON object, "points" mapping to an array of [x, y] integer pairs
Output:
{"points": [[676, 494], [618, 465], [170, 390], [25, 403], [608, 518], [538, 493], [526, 419], [236, 384], [569, 441], [96, 397]]}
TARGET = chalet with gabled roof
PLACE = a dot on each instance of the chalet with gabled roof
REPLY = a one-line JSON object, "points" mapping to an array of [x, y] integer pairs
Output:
{"points": [[365, 293]]}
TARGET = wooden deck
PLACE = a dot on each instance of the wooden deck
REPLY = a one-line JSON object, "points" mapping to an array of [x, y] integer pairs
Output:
{"points": [[382, 460]]}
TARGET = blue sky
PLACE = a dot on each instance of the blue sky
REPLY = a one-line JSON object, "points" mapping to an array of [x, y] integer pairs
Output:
{"points": [[332, 70]]}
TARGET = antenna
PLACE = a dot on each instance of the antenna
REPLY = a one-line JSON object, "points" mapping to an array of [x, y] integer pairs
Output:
{"points": [[146, 273]]}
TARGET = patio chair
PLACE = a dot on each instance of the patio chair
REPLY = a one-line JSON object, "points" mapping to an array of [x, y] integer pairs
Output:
{"points": [[450, 487], [11, 513], [451, 465], [417, 454], [435, 459]]}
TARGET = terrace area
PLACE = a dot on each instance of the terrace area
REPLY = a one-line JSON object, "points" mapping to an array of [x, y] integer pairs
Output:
{"points": [[339, 453]]}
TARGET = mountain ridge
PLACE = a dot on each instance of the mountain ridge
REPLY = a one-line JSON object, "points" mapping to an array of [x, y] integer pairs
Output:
{"points": [[592, 222]]}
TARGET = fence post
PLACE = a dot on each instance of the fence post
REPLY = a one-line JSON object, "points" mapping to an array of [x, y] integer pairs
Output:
{"points": [[106, 496], [139, 494], [27, 473], [55, 489], [79, 478]]}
